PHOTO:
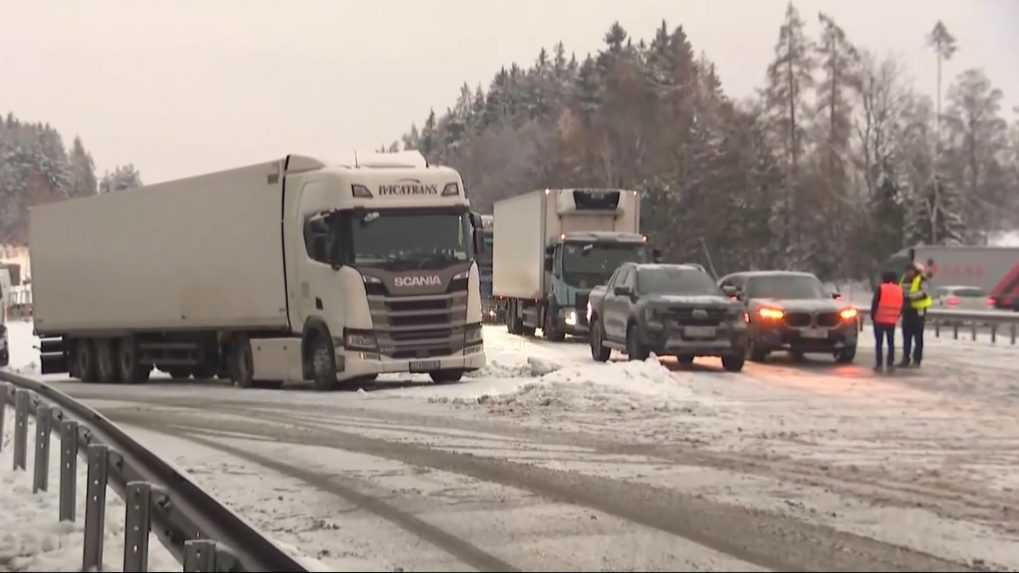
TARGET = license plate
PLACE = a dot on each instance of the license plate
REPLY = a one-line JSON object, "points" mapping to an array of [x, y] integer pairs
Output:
{"points": [[699, 331], [814, 333], [424, 365]]}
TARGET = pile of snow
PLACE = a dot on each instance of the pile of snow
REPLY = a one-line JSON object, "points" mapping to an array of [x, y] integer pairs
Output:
{"points": [[31, 538]]}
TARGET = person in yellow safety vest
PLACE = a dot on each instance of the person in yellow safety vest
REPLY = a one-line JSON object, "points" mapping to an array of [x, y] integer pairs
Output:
{"points": [[914, 315]]}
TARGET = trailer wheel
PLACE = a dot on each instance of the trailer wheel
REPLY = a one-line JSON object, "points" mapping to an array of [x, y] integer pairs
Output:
{"points": [[323, 363], [106, 361], [242, 368], [85, 361], [446, 376], [131, 371]]}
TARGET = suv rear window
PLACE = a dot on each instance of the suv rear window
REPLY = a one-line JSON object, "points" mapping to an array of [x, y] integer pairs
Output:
{"points": [[672, 280]]}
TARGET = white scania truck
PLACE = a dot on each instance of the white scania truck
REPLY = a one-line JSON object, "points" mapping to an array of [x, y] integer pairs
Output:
{"points": [[288, 270]]}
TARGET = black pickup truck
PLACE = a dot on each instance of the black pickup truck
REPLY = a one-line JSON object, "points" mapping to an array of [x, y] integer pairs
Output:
{"points": [[673, 310]]}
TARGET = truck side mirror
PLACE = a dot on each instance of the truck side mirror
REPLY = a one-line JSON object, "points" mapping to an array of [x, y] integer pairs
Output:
{"points": [[476, 227], [548, 263]]}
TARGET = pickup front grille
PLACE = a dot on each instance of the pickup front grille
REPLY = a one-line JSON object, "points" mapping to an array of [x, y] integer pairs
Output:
{"points": [[698, 317]]}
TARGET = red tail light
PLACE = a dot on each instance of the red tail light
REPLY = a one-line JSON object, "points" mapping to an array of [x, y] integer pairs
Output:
{"points": [[991, 302], [953, 301]]}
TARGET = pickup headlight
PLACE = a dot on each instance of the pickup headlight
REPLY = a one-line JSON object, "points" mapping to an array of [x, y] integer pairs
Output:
{"points": [[473, 335], [360, 340]]}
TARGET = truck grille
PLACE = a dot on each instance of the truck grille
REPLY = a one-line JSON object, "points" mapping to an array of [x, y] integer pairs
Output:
{"points": [[698, 317], [419, 326]]}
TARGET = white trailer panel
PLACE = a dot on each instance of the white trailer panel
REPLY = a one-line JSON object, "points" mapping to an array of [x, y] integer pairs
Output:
{"points": [[202, 252], [518, 263]]}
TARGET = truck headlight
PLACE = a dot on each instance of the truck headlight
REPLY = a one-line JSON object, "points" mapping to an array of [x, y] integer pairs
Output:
{"points": [[360, 340], [570, 317], [473, 335]]}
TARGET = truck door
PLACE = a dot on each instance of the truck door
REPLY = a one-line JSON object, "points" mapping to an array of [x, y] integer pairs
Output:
{"points": [[616, 308]]}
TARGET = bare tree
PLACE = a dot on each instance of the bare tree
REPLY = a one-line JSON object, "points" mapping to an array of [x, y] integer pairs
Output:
{"points": [[882, 98]]}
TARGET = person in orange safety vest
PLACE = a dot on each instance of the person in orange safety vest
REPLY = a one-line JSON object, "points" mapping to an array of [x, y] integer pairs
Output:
{"points": [[885, 310]]}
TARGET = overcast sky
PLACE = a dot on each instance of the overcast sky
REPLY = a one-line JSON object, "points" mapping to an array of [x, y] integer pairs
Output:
{"points": [[184, 87]]}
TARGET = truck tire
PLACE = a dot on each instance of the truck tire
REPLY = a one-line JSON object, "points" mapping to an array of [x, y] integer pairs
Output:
{"points": [[106, 361], [512, 324], [599, 351], [446, 376], [85, 361], [551, 327], [323, 363], [242, 368], [634, 348], [131, 371], [733, 362]]}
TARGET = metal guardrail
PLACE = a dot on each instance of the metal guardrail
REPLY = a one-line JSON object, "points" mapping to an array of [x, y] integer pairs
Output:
{"points": [[201, 533], [991, 321]]}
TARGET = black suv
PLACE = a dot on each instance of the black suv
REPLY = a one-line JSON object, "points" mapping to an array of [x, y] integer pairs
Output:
{"points": [[791, 311], [673, 310]]}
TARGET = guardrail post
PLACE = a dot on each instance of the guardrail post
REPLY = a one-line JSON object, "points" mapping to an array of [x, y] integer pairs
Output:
{"points": [[199, 555], [68, 469], [955, 330], [41, 475], [21, 399], [994, 333], [95, 507], [974, 326], [3, 408], [137, 523], [937, 328], [1013, 334]]}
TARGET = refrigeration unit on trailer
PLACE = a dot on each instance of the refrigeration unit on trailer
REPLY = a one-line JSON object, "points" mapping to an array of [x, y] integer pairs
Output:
{"points": [[556, 245], [287, 270]]}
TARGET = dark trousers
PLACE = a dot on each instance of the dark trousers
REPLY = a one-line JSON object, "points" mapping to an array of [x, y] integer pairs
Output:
{"points": [[913, 324], [882, 333]]}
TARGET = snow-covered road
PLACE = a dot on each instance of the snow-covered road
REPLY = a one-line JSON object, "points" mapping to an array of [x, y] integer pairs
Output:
{"points": [[546, 460]]}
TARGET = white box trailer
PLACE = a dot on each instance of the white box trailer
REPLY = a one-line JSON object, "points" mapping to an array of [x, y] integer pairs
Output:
{"points": [[281, 271], [554, 246]]}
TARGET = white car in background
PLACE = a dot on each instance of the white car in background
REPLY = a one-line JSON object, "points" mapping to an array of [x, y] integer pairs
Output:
{"points": [[963, 298]]}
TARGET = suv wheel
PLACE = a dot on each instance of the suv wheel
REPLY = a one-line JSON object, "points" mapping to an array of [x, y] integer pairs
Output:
{"points": [[846, 355], [757, 354], [634, 348], [598, 350]]}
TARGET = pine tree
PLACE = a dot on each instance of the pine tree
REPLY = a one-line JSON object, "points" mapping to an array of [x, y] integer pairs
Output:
{"points": [[83, 171], [123, 178], [427, 143]]}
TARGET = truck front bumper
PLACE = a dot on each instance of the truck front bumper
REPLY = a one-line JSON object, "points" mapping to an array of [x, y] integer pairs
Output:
{"points": [[357, 363]]}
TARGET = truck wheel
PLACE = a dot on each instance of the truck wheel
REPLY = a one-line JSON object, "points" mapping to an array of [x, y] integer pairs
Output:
{"points": [[512, 324], [733, 362], [85, 361], [685, 359], [323, 363], [106, 361], [552, 329], [446, 376], [634, 348], [598, 350], [846, 355], [241, 363], [131, 371]]}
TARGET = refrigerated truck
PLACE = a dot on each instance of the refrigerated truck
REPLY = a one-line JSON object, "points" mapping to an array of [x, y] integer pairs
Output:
{"points": [[987, 268], [554, 246], [288, 270]]}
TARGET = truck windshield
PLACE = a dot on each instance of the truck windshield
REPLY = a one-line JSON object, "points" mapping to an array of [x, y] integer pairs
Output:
{"points": [[666, 280], [790, 287], [409, 240], [586, 265]]}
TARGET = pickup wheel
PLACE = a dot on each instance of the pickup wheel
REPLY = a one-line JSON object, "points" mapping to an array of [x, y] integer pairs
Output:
{"points": [[733, 362], [106, 361], [634, 348], [242, 369], [323, 363], [598, 350], [85, 361]]}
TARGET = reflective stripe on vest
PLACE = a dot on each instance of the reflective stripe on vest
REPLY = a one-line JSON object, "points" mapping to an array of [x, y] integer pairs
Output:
{"points": [[890, 306]]}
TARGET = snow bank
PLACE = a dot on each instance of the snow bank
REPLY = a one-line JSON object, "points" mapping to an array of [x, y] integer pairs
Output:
{"points": [[31, 538]]}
